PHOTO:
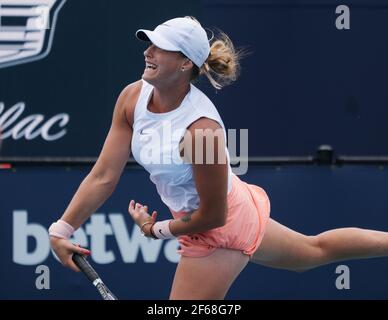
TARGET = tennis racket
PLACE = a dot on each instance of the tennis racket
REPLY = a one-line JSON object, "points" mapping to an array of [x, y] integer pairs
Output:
{"points": [[92, 275]]}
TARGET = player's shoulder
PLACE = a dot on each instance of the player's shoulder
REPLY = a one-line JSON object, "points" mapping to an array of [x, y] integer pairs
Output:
{"points": [[204, 123], [129, 96], [132, 89], [206, 111]]}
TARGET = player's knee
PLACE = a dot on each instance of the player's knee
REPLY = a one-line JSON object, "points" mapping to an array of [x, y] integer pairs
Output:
{"points": [[315, 253], [320, 246]]}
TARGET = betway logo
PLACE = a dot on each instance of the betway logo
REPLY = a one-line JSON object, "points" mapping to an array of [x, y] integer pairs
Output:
{"points": [[98, 229]]}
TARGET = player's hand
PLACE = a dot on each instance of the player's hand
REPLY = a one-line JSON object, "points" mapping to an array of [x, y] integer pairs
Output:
{"points": [[139, 214], [64, 250]]}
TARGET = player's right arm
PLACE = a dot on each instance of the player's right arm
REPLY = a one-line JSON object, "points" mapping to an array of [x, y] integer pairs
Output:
{"points": [[100, 183]]}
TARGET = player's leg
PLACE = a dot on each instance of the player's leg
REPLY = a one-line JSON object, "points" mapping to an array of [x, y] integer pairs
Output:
{"points": [[209, 277], [287, 249]]}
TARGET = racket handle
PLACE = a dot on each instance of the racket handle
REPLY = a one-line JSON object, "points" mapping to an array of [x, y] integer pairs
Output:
{"points": [[85, 267]]}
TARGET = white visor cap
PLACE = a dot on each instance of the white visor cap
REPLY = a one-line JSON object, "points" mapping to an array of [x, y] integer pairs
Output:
{"points": [[180, 34]]}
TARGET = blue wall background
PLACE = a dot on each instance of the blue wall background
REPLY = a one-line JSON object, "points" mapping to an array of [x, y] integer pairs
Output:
{"points": [[307, 83]]}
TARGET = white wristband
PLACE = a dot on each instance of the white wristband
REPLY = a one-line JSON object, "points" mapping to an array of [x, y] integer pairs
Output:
{"points": [[61, 229], [161, 230]]}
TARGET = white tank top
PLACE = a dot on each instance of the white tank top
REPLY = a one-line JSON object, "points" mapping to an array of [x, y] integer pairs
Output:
{"points": [[155, 146]]}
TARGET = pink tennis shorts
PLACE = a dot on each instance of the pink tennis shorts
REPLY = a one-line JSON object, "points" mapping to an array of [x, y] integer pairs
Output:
{"points": [[248, 214]]}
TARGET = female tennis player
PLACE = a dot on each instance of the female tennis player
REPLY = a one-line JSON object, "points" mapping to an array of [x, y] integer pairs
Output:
{"points": [[221, 222]]}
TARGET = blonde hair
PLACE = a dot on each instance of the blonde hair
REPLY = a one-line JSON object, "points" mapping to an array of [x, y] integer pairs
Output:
{"points": [[222, 67]]}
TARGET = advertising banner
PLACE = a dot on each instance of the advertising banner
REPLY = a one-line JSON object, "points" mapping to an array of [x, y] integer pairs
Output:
{"points": [[309, 200]]}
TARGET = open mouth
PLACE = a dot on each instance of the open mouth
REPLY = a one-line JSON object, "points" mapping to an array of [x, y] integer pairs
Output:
{"points": [[150, 66]]}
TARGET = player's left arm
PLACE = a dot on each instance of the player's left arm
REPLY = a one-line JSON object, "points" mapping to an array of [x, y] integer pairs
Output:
{"points": [[206, 140]]}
